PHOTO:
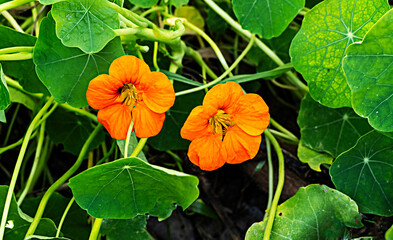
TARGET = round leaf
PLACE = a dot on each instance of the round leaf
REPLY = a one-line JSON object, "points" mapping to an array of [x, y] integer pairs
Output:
{"points": [[129, 187], [65, 71], [315, 212], [313, 158], [265, 17], [327, 129], [365, 173], [87, 24], [369, 71], [319, 47]]}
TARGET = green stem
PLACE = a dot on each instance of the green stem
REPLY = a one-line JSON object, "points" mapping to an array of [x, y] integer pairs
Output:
{"points": [[11, 124], [80, 112], [284, 137], [177, 159], [198, 58], [270, 165], [237, 61], [18, 165], [37, 156], [290, 135], [280, 184], [15, 144], [64, 216], [237, 27], [61, 180], [96, 229], [13, 4], [130, 128], [133, 17], [151, 10], [16, 56], [107, 154], [155, 51], [139, 147], [12, 21]]}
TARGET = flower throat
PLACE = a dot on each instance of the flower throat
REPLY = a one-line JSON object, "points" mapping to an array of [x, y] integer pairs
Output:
{"points": [[220, 122], [129, 94]]}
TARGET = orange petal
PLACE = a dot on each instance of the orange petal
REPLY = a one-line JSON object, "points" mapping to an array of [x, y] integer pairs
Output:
{"points": [[116, 119], [129, 69], [206, 152], [251, 114], [223, 96], [146, 122], [196, 125], [158, 93], [103, 91], [240, 146]]}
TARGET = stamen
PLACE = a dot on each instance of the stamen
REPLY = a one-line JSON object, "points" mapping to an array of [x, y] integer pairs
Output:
{"points": [[220, 122], [130, 95]]}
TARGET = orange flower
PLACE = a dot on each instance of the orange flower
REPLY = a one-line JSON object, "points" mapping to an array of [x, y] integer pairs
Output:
{"points": [[227, 127], [131, 92]]}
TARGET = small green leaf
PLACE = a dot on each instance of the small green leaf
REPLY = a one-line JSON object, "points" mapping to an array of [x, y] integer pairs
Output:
{"points": [[2, 116], [329, 130], [319, 47], [369, 70], [67, 71], [131, 146], [116, 229], [5, 100], [72, 130], [313, 158], [23, 70], [18, 96], [178, 3], [315, 212], [389, 233], [86, 24], [129, 187], [265, 17], [192, 15], [365, 173], [144, 3]]}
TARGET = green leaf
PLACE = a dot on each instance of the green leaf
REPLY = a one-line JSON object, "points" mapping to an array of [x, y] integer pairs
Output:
{"points": [[144, 3], [389, 234], [18, 96], [72, 130], [116, 229], [368, 67], [319, 47], [2, 116], [5, 100], [24, 70], [131, 146], [315, 212], [67, 71], [86, 24], [178, 3], [329, 130], [180, 78], [169, 138], [34, 237], [214, 22], [265, 17], [313, 158], [192, 15], [75, 225], [129, 187], [18, 222], [365, 173]]}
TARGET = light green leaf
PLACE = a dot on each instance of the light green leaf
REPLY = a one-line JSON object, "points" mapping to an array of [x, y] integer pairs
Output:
{"points": [[319, 47], [313, 158], [116, 229], [131, 146], [329, 130], [72, 130], [315, 212], [129, 187], [192, 15], [2, 116], [144, 3], [5, 100], [18, 96], [86, 24], [365, 173], [389, 234], [67, 71], [265, 17], [369, 71], [178, 3]]}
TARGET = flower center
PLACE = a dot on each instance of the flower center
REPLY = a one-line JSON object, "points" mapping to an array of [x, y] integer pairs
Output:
{"points": [[129, 94], [220, 122]]}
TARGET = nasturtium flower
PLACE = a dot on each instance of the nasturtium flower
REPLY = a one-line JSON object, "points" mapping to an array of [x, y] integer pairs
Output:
{"points": [[131, 92], [226, 128]]}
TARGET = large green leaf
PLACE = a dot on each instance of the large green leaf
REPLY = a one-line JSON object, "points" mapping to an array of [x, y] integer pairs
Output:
{"points": [[369, 71], [117, 229], [129, 187], [319, 47], [72, 130], [315, 212], [75, 225], [265, 17], [67, 71], [5, 99], [365, 173], [86, 24], [313, 158], [327, 129], [18, 222], [23, 70]]}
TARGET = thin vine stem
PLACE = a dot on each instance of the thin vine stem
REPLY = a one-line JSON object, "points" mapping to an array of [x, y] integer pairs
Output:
{"points": [[12, 21], [139, 147], [237, 61], [16, 56], [129, 132], [280, 184], [11, 124], [290, 135], [61, 180], [95, 231], [12, 4], [64, 216], [270, 165], [18, 164]]}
